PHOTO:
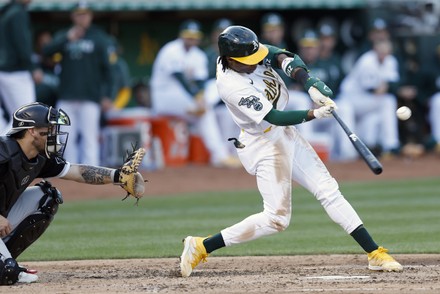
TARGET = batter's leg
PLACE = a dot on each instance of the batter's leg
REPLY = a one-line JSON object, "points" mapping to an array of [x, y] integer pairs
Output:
{"points": [[274, 183], [311, 173]]}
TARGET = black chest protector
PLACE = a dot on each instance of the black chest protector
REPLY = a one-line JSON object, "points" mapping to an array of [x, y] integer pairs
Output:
{"points": [[16, 172]]}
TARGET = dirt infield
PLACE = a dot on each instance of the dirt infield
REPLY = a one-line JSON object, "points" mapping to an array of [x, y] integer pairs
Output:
{"points": [[291, 274], [283, 274]]}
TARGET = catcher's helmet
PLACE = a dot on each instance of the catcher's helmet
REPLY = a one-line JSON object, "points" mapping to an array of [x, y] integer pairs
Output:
{"points": [[41, 115], [241, 44]]}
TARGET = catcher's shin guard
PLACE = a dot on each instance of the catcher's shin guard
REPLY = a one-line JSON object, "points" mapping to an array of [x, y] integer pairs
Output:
{"points": [[33, 226]]}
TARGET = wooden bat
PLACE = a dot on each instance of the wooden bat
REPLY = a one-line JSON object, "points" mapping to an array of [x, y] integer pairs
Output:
{"points": [[371, 160]]}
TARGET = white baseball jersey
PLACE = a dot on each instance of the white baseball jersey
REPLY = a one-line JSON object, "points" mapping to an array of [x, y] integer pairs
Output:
{"points": [[249, 97], [368, 73], [370, 115], [168, 94], [169, 97], [276, 155]]}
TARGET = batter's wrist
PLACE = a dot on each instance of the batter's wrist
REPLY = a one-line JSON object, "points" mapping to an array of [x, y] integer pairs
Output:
{"points": [[310, 115]]}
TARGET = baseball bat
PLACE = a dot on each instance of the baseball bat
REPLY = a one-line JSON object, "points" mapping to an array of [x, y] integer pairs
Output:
{"points": [[371, 160]]}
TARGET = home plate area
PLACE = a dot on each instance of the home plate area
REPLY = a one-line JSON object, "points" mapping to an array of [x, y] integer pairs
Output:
{"points": [[245, 274]]}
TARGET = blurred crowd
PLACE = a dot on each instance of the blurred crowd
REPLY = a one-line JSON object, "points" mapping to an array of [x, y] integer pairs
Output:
{"points": [[82, 70]]}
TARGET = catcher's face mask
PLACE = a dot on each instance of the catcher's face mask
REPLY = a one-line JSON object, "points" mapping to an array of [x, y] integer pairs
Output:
{"points": [[56, 139]]}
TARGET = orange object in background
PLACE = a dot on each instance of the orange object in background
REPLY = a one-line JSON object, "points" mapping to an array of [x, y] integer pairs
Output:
{"points": [[198, 153], [123, 130], [174, 135], [322, 150], [128, 117]]}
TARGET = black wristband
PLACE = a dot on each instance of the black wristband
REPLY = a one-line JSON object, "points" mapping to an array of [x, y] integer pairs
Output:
{"points": [[116, 176], [301, 76]]}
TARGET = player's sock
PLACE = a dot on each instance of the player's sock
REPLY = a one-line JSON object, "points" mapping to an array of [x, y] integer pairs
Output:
{"points": [[213, 243], [361, 235]]}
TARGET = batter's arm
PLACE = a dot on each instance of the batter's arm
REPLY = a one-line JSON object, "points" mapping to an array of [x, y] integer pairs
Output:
{"points": [[295, 68], [288, 117]]}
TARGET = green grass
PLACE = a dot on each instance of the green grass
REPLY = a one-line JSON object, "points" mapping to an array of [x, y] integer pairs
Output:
{"points": [[401, 215]]}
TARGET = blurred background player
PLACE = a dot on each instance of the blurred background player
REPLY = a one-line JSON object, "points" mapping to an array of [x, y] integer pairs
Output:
{"points": [[227, 126], [368, 103], [121, 88], [178, 79], [85, 81], [273, 32], [16, 84], [47, 78]]}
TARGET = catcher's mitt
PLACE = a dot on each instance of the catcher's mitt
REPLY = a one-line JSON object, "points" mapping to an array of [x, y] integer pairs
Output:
{"points": [[129, 178]]}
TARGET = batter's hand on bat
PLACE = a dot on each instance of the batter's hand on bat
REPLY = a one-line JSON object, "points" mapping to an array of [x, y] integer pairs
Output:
{"points": [[318, 91], [324, 111], [318, 98]]}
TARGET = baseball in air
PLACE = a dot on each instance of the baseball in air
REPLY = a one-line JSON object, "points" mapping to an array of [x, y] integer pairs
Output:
{"points": [[403, 113]]}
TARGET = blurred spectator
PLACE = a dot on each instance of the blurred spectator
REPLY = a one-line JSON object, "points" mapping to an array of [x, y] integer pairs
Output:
{"points": [[273, 33], [378, 31], [178, 79], [121, 88], [273, 30], [227, 126], [212, 49], [141, 95], [16, 84], [308, 49], [326, 69], [47, 77], [367, 102], [329, 58], [84, 82]]}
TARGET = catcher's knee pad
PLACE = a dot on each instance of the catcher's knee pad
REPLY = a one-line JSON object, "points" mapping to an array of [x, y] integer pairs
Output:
{"points": [[9, 271], [33, 226]]}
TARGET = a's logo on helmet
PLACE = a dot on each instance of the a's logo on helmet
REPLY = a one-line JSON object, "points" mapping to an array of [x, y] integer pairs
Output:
{"points": [[20, 124], [255, 43]]}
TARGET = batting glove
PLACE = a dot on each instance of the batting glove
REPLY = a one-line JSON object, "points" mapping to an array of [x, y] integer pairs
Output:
{"points": [[324, 111], [318, 98], [318, 90]]}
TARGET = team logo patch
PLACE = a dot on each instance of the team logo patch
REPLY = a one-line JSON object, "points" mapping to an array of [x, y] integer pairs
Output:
{"points": [[251, 101], [25, 180], [353, 137]]}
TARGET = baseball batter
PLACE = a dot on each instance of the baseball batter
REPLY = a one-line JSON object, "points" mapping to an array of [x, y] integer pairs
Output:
{"points": [[272, 149]]}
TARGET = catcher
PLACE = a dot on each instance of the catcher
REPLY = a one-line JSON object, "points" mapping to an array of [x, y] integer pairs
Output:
{"points": [[34, 148]]}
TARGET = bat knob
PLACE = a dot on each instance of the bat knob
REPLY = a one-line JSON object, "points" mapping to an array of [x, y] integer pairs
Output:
{"points": [[378, 170]]}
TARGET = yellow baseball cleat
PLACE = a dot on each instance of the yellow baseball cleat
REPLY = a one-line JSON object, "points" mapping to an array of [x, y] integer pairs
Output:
{"points": [[193, 252], [380, 260]]}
